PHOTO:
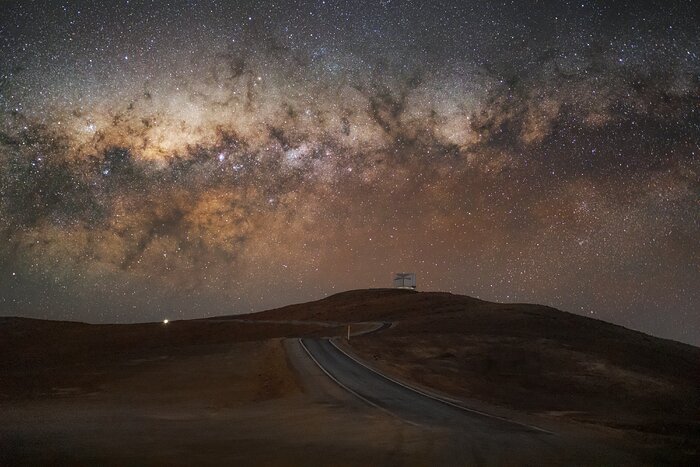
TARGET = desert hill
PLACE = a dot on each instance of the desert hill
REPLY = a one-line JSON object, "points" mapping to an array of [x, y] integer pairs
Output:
{"points": [[223, 372], [527, 357], [426, 313]]}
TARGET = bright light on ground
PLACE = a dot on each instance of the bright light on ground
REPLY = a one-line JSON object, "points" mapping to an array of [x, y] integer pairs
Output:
{"points": [[165, 321]]}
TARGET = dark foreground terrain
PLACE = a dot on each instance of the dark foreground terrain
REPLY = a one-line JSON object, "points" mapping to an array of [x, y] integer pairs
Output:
{"points": [[240, 390]]}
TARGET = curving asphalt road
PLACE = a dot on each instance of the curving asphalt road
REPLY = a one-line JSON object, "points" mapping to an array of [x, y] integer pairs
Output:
{"points": [[470, 437], [401, 401]]}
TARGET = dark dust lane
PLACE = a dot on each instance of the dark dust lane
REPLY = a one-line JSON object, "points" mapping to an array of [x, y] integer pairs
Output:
{"points": [[474, 437]]}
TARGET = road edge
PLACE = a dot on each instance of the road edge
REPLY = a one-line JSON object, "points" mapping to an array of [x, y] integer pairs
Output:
{"points": [[354, 393], [436, 397]]}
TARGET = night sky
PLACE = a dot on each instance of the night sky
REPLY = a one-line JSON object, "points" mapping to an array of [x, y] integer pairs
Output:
{"points": [[184, 159]]}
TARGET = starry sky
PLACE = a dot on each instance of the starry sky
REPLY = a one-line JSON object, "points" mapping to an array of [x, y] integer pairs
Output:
{"points": [[191, 158]]}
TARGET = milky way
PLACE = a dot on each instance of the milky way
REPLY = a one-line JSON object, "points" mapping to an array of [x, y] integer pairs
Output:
{"points": [[194, 158]]}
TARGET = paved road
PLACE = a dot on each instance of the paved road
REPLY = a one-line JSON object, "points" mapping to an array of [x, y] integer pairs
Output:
{"points": [[471, 438], [401, 401]]}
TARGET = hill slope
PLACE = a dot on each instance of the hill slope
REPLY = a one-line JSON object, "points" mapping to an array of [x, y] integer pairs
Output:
{"points": [[516, 357], [527, 357]]}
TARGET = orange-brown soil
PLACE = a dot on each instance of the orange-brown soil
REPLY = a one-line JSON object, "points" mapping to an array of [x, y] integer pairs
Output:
{"points": [[225, 391], [530, 358], [189, 393]]}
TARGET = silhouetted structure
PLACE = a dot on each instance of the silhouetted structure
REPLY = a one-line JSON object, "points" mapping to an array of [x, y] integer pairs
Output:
{"points": [[405, 280]]}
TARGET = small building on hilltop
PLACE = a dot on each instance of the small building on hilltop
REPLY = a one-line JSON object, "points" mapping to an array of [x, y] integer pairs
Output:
{"points": [[405, 280]]}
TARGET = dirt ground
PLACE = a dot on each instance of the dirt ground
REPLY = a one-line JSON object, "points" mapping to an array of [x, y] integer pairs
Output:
{"points": [[533, 360], [139, 399], [213, 392]]}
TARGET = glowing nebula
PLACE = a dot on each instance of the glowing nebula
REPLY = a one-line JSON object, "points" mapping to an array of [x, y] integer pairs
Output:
{"points": [[220, 157]]}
